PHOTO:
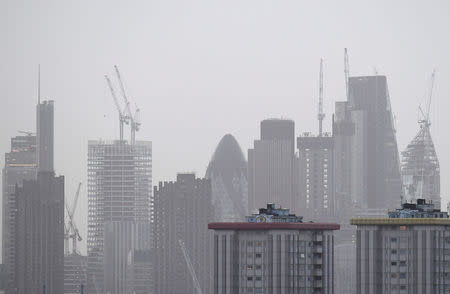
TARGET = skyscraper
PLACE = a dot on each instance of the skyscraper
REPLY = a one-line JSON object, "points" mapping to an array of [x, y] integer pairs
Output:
{"points": [[227, 172], [40, 218], [316, 185], [119, 191], [420, 168], [376, 182], [271, 165], [182, 212], [20, 164], [75, 266]]}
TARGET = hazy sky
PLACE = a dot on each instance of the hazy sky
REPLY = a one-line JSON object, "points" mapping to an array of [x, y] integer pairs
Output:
{"points": [[201, 69]]}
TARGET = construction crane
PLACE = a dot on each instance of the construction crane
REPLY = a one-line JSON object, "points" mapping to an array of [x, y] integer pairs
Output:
{"points": [[321, 115], [134, 119], [28, 133], [123, 118], [425, 124], [190, 267], [71, 230], [346, 72]]}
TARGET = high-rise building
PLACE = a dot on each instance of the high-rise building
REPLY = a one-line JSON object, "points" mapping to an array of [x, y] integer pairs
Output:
{"points": [[316, 186], [75, 266], [120, 239], [272, 165], [140, 272], [119, 191], [40, 218], [420, 168], [227, 172], [406, 252], [375, 168], [182, 212], [273, 252], [20, 164]]}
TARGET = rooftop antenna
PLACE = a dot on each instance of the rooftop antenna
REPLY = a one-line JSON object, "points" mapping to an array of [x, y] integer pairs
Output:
{"points": [[321, 115], [346, 72], [39, 84]]}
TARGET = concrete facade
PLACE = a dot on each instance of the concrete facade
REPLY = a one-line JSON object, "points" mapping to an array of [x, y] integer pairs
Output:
{"points": [[272, 166], [406, 253], [20, 165], [183, 211], [268, 256], [75, 266]]}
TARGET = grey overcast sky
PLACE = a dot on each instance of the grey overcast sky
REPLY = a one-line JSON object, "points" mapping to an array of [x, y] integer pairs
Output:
{"points": [[200, 69]]}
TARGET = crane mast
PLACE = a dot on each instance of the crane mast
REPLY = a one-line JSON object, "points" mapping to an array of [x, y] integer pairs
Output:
{"points": [[71, 230], [133, 123], [321, 115], [346, 72], [190, 267], [122, 117]]}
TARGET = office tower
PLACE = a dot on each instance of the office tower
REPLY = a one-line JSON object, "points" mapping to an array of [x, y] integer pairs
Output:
{"points": [[75, 266], [20, 164], [271, 165], [40, 218], [182, 212], [343, 130], [227, 172], [316, 186], [376, 182], [119, 191], [140, 269], [121, 238], [420, 168], [406, 252], [273, 252]]}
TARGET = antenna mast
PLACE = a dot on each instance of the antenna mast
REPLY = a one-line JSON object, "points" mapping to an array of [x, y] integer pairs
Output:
{"points": [[321, 115], [346, 72]]}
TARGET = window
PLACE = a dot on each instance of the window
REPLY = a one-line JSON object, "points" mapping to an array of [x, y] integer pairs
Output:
{"points": [[258, 255], [249, 278], [249, 267], [393, 239], [394, 251], [402, 275], [258, 278], [394, 263], [258, 267]]}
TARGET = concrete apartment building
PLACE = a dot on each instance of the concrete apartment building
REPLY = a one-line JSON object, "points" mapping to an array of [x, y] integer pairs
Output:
{"points": [[406, 252], [273, 252], [75, 266]]}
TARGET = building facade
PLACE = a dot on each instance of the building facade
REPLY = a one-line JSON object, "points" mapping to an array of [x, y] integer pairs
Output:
{"points": [[227, 172], [273, 252], [40, 218], [316, 177], [140, 272], [182, 212], [272, 166], [375, 165], [406, 252], [20, 164], [75, 277], [119, 191]]}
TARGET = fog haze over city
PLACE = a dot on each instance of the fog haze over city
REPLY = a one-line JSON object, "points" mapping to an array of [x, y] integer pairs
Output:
{"points": [[201, 69]]}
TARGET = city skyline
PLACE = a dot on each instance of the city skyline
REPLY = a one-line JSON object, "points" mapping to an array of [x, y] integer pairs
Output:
{"points": [[293, 97]]}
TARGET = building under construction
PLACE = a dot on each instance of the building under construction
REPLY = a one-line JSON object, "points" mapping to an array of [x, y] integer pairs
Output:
{"points": [[420, 168], [119, 191]]}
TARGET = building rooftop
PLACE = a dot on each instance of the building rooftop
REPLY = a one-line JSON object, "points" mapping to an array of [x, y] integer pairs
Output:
{"points": [[419, 213], [271, 218]]}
